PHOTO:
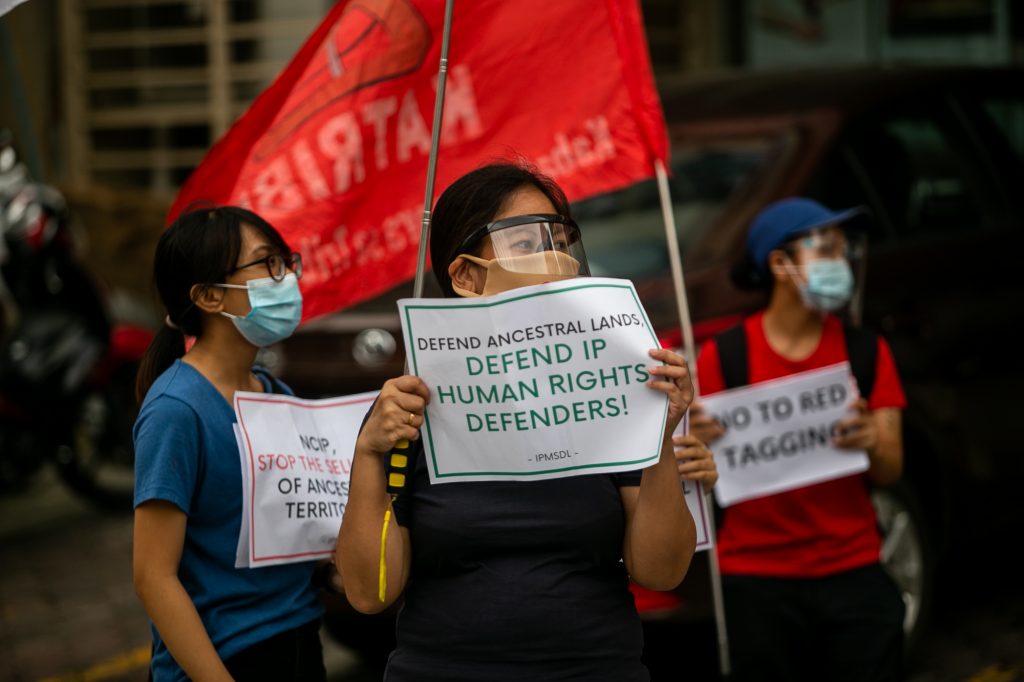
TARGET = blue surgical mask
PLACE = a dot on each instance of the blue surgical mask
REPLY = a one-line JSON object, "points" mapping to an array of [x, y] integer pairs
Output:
{"points": [[276, 309], [829, 284]]}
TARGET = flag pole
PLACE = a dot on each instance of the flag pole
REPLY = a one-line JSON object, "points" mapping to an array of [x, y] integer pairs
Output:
{"points": [[435, 138], [690, 353], [398, 459]]}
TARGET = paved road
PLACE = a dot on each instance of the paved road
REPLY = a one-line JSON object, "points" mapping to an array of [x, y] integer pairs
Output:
{"points": [[68, 611]]}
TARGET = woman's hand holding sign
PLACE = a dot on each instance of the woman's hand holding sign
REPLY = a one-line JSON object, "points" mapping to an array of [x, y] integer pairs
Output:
{"points": [[678, 387], [660, 533], [397, 415], [694, 460], [859, 431], [703, 425], [879, 434]]}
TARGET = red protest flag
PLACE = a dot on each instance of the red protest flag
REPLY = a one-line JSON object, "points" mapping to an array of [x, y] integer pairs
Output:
{"points": [[334, 152]]}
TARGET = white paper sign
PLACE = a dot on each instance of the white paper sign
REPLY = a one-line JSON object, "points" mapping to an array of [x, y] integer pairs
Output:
{"points": [[296, 457], [696, 498], [779, 434], [696, 502], [242, 550], [7, 5], [541, 382]]}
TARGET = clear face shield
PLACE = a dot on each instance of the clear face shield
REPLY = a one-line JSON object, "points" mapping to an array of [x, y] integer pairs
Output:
{"points": [[528, 249], [828, 243], [536, 244]]}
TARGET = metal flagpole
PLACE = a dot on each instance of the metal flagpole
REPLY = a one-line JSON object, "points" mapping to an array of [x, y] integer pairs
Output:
{"points": [[435, 137], [398, 459], [690, 353]]}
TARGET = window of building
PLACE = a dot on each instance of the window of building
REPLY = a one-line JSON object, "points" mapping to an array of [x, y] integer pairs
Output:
{"points": [[916, 176], [150, 86], [1008, 115]]}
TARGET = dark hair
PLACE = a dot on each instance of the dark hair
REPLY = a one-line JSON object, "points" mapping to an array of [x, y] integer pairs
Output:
{"points": [[200, 247], [472, 201], [750, 276]]}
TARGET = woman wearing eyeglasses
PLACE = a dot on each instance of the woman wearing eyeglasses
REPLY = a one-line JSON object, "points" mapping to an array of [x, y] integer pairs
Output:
{"points": [[227, 278], [511, 580]]}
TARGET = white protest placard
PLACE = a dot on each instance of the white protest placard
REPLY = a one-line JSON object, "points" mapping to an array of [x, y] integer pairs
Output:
{"points": [[779, 434], [696, 499], [242, 550], [693, 492], [296, 456], [541, 382], [7, 5]]}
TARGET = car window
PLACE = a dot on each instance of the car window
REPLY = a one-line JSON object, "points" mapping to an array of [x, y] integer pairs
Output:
{"points": [[842, 183], [624, 232], [917, 176], [1008, 115]]}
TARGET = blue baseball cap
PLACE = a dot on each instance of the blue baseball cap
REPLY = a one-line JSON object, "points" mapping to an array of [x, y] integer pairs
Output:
{"points": [[785, 219]]}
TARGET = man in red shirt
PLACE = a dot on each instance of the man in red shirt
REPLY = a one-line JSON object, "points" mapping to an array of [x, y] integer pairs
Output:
{"points": [[805, 594]]}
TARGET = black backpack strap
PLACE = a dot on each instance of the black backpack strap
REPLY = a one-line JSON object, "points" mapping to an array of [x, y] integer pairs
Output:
{"points": [[862, 350], [732, 356]]}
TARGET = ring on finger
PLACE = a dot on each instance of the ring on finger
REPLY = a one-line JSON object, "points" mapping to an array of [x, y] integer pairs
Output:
{"points": [[412, 417]]}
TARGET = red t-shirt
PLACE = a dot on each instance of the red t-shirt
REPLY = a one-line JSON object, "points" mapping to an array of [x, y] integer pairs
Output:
{"points": [[813, 531]]}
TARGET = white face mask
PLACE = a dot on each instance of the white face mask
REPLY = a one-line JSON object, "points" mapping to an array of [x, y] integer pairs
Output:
{"points": [[825, 284], [535, 268]]}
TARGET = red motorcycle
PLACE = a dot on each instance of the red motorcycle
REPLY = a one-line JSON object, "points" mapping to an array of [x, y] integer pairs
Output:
{"points": [[67, 370]]}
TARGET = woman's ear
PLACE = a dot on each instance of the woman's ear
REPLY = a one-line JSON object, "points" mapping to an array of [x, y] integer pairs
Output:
{"points": [[467, 275], [206, 298], [779, 265]]}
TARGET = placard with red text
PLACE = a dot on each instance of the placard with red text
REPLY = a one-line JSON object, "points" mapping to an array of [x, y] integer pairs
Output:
{"points": [[296, 456]]}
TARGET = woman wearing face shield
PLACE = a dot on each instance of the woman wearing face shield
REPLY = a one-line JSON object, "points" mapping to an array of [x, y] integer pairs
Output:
{"points": [[511, 580], [227, 279], [806, 597]]}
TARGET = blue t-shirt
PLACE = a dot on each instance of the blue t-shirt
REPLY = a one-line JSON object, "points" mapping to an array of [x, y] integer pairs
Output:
{"points": [[186, 453]]}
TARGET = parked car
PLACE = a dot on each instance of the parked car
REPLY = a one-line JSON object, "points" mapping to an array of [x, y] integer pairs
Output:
{"points": [[937, 154]]}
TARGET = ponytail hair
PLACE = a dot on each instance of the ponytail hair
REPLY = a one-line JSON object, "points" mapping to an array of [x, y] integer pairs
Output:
{"points": [[200, 247], [167, 346]]}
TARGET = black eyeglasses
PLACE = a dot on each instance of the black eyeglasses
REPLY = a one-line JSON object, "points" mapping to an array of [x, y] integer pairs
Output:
{"points": [[278, 265], [572, 230]]}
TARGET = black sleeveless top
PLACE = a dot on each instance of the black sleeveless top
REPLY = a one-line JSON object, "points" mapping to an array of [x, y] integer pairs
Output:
{"points": [[516, 580]]}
